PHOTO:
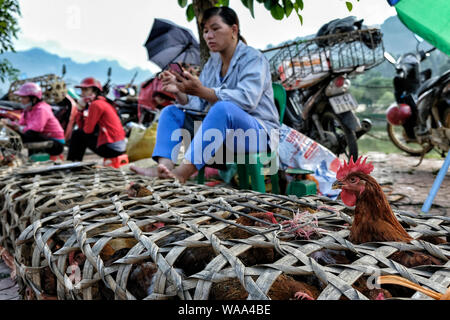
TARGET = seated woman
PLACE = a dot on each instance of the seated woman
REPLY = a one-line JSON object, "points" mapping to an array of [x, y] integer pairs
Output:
{"points": [[234, 88], [38, 123], [99, 126]]}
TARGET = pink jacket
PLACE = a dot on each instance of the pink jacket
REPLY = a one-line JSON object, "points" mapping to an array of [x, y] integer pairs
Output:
{"points": [[40, 118]]}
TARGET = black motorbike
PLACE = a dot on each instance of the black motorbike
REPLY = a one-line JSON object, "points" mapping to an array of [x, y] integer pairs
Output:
{"points": [[427, 100], [124, 99], [316, 74]]}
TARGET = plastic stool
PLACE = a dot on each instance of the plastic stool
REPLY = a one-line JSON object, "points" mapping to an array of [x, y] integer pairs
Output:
{"points": [[251, 175], [300, 186], [38, 157], [116, 162], [57, 157]]}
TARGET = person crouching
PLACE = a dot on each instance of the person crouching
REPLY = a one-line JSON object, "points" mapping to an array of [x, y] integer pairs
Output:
{"points": [[38, 123], [99, 126]]}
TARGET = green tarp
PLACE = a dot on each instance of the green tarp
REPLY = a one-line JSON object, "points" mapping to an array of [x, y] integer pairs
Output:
{"points": [[429, 19]]}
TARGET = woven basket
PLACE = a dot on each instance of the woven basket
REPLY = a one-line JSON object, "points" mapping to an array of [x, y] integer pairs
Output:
{"points": [[25, 198], [106, 245]]}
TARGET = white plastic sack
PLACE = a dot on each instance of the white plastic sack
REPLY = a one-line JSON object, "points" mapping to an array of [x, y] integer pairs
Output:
{"points": [[295, 150], [301, 72]]}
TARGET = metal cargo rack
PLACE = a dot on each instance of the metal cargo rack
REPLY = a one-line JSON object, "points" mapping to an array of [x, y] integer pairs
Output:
{"points": [[302, 63]]}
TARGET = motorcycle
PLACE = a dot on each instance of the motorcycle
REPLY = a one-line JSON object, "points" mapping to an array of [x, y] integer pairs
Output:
{"points": [[316, 74], [325, 113], [420, 119], [124, 99]]}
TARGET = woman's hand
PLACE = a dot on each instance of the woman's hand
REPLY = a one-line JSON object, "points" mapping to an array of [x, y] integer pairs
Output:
{"points": [[192, 85], [187, 83], [9, 123], [169, 82]]}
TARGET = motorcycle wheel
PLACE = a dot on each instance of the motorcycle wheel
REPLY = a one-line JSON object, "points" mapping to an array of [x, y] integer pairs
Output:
{"points": [[332, 124], [399, 139]]}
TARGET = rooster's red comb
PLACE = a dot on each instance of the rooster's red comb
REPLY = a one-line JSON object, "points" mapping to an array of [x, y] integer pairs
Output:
{"points": [[346, 168]]}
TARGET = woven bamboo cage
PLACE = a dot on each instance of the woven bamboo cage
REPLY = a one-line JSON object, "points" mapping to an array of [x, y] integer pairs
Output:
{"points": [[25, 198], [11, 147], [53, 88], [184, 242]]}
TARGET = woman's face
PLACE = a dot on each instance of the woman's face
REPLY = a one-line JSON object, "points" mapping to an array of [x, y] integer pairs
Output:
{"points": [[219, 35], [25, 100], [87, 92]]}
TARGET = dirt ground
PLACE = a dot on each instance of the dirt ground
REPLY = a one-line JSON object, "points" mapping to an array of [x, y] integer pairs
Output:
{"points": [[408, 186]]}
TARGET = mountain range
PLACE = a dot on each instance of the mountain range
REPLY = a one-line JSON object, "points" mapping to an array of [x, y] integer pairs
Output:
{"points": [[36, 62]]}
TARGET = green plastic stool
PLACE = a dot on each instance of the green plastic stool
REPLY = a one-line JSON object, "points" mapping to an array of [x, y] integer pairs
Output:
{"points": [[280, 97], [250, 173], [301, 188], [37, 157]]}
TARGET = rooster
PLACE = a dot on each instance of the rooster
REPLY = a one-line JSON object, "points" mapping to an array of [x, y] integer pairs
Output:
{"points": [[374, 220]]}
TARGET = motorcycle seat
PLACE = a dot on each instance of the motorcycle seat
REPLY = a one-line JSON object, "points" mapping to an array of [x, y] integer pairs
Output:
{"points": [[426, 85], [11, 105], [431, 82], [124, 104]]}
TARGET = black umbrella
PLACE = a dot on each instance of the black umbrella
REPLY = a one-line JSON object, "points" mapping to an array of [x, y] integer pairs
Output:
{"points": [[169, 42]]}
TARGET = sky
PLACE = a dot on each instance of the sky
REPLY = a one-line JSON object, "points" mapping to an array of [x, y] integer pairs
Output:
{"points": [[89, 30]]}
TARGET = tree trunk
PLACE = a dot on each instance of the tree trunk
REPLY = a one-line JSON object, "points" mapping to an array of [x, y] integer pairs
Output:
{"points": [[199, 7]]}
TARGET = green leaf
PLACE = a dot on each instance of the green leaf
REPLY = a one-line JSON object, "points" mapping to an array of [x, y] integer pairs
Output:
{"points": [[277, 12], [225, 3], [299, 3], [250, 7], [190, 13], [349, 5], [182, 3], [299, 17], [288, 7], [268, 4]]}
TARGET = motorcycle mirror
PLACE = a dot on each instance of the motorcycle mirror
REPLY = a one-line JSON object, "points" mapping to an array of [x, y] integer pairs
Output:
{"points": [[418, 38], [389, 57], [109, 72], [63, 70]]}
